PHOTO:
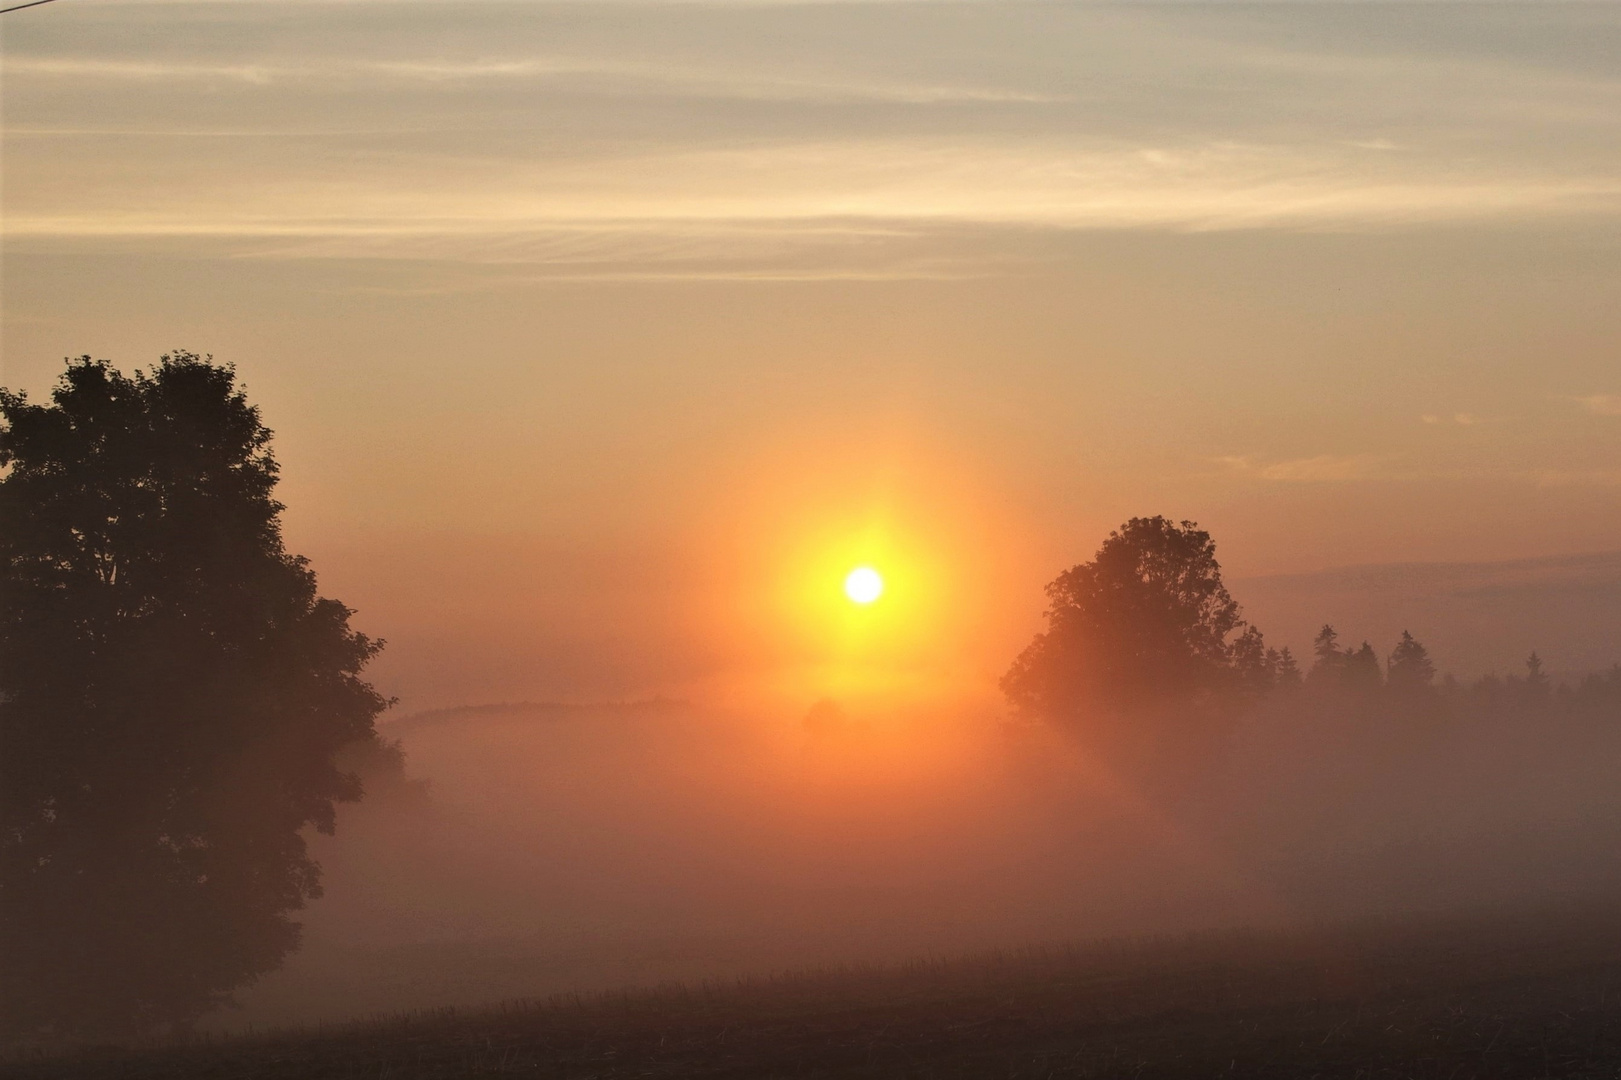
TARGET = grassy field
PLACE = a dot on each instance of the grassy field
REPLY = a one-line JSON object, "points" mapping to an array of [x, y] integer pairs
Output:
{"points": [[1528, 995]]}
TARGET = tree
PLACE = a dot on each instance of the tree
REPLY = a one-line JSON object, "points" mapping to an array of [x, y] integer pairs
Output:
{"points": [[172, 693], [1330, 660], [1255, 665], [1288, 672], [1537, 683], [1410, 669], [1362, 668], [1146, 623], [1343, 667]]}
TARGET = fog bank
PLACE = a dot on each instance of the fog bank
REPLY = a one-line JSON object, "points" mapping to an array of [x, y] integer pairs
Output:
{"points": [[561, 848]]}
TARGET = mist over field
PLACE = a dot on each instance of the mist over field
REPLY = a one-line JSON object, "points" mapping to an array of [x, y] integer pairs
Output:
{"points": [[566, 848]]}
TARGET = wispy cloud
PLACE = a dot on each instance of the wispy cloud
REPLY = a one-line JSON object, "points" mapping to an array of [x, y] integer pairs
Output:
{"points": [[723, 138], [1323, 468], [616, 76], [1335, 468], [1565, 478], [1601, 404], [80, 68], [899, 184]]}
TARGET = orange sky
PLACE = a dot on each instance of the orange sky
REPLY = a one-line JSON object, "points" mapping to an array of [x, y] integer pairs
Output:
{"points": [[595, 333]]}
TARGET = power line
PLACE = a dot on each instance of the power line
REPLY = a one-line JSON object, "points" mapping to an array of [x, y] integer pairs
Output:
{"points": [[19, 7]]}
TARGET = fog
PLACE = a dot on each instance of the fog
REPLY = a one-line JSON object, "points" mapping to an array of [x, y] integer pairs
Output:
{"points": [[558, 848]]}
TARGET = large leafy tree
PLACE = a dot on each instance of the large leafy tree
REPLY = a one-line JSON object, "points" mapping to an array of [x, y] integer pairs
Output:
{"points": [[1147, 625], [172, 692]]}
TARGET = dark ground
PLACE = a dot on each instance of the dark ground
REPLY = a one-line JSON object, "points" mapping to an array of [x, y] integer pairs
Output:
{"points": [[1528, 995]]}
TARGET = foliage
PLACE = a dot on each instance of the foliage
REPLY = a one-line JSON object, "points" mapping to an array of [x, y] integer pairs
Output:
{"points": [[1410, 667], [172, 692], [1145, 641], [1147, 623], [1348, 668]]}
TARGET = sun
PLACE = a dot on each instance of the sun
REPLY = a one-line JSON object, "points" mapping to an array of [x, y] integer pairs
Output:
{"points": [[863, 585]]}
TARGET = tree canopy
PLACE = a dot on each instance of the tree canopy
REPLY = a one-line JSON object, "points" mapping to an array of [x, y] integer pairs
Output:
{"points": [[1148, 621], [172, 692]]}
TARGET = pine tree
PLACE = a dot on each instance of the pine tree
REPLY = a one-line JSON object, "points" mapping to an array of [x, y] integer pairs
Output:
{"points": [[1410, 667]]}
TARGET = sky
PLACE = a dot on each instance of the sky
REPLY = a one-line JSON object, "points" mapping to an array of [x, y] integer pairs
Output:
{"points": [[601, 338]]}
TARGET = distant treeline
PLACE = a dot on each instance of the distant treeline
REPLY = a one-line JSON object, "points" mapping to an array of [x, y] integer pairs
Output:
{"points": [[1407, 674], [1145, 647]]}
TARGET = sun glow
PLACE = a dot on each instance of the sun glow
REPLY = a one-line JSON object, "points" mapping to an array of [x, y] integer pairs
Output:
{"points": [[873, 579], [863, 585]]}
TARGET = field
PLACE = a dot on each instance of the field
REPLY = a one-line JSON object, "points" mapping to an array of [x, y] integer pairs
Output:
{"points": [[1524, 995]]}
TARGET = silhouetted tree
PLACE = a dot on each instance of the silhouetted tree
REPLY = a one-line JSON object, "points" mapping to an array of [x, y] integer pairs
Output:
{"points": [[1255, 665], [1410, 668], [1145, 624], [1362, 668], [1536, 680], [1345, 668], [380, 765], [172, 692], [1288, 672], [1329, 662]]}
